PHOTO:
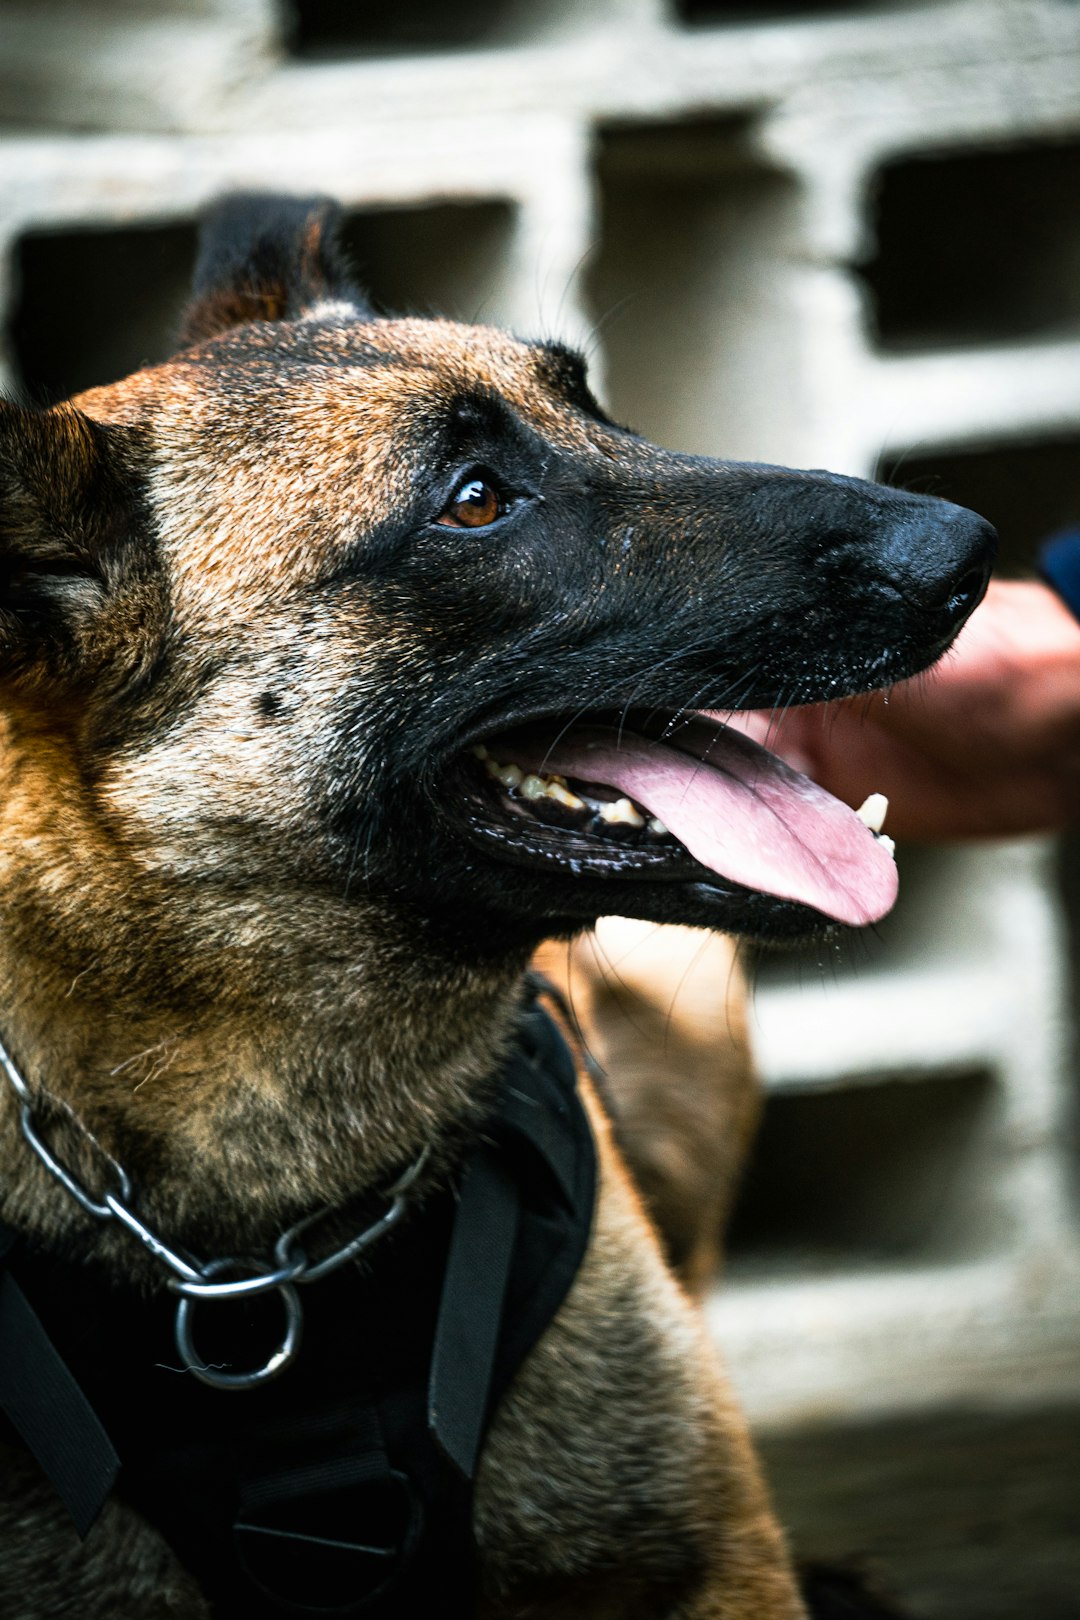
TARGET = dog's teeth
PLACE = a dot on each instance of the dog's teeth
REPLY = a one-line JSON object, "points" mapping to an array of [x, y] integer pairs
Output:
{"points": [[531, 786], [561, 794], [887, 843], [621, 810], [656, 825], [872, 811], [479, 751], [509, 775]]}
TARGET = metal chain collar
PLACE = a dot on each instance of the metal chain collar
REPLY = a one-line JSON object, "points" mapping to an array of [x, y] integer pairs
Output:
{"points": [[192, 1279]]}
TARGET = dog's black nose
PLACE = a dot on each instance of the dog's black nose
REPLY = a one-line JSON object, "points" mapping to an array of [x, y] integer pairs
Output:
{"points": [[938, 557]]}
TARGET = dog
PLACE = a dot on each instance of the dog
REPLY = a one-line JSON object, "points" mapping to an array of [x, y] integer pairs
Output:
{"points": [[343, 660]]}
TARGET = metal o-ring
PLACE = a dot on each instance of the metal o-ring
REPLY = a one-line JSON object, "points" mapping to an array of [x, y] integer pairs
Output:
{"points": [[216, 1377], [264, 1282]]}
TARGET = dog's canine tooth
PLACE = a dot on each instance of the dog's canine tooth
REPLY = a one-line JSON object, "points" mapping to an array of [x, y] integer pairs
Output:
{"points": [[622, 811], [873, 811]]}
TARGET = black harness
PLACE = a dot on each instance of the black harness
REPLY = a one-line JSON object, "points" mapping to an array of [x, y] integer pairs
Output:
{"points": [[345, 1486]]}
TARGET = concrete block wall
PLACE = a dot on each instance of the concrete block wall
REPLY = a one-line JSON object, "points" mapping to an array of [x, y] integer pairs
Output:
{"points": [[842, 235]]}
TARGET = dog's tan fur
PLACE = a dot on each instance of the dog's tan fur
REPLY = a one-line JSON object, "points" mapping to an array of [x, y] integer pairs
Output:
{"points": [[176, 969]]}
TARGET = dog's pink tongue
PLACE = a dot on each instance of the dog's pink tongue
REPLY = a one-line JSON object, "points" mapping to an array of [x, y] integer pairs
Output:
{"points": [[742, 812]]}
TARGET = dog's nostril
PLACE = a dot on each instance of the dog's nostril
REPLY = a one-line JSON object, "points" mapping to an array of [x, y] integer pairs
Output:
{"points": [[966, 592]]}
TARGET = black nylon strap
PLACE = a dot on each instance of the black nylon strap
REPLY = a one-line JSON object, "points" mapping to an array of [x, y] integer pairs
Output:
{"points": [[323, 1521], [471, 1307], [326, 1451], [47, 1407], [485, 1232]]}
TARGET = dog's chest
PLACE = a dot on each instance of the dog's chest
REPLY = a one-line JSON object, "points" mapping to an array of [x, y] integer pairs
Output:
{"points": [[348, 1480]]}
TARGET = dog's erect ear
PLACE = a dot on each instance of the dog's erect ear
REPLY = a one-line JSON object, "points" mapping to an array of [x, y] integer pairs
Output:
{"points": [[266, 258], [67, 517]]}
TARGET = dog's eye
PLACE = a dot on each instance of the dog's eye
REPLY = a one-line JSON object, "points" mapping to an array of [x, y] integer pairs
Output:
{"points": [[475, 504]]}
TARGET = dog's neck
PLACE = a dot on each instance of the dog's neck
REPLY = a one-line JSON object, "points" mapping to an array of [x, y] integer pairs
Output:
{"points": [[246, 1061], [256, 1114]]}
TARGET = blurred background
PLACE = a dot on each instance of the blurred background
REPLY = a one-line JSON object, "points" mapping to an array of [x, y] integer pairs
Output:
{"points": [[841, 235]]}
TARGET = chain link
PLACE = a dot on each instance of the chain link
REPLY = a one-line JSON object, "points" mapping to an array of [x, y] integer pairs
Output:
{"points": [[194, 1280]]}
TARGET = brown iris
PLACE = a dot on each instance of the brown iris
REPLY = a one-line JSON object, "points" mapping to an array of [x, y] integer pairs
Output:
{"points": [[473, 505]]}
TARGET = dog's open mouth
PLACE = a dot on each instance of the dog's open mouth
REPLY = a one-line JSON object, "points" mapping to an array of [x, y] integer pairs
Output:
{"points": [[632, 798]]}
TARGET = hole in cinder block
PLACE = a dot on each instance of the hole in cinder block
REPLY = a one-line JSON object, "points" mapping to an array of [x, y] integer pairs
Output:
{"points": [[714, 13], [446, 258], [386, 27], [976, 246], [693, 289], [876, 1170], [1027, 490], [92, 305], [335, 28]]}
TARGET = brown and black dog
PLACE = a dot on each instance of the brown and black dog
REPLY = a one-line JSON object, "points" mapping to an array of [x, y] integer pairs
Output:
{"points": [[345, 659]]}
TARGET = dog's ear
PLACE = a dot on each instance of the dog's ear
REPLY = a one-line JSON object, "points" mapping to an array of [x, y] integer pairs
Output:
{"points": [[266, 258], [67, 517]]}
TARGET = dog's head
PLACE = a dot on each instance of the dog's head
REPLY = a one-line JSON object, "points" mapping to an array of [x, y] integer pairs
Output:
{"points": [[337, 604]]}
